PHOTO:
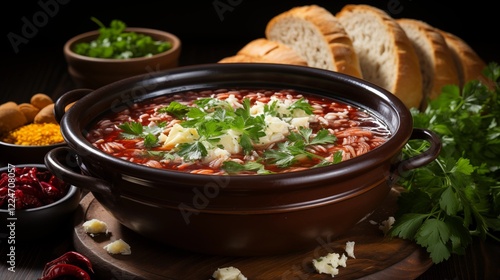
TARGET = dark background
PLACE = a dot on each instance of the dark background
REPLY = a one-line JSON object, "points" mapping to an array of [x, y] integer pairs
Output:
{"points": [[220, 27]]}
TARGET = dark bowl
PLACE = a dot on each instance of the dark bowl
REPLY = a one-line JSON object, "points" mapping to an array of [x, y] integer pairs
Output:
{"points": [[39, 222], [16, 154], [237, 215]]}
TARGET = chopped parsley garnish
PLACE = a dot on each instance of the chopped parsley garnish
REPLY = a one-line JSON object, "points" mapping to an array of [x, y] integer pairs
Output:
{"points": [[114, 42], [209, 120], [232, 167], [294, 149], [132, 130]]}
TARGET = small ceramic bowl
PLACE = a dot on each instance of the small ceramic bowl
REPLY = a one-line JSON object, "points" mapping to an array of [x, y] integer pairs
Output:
{"points": [[16, 154], [93, 73], [39, 222]]}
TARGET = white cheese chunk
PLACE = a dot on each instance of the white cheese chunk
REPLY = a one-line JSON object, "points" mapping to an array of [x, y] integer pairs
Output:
{"points": [[118, 247], [300, 122], [276, 130], [228, 273], [95, 226], [233, 101], [216, 154], [179, 134], [329, 264], [349, 249], [387, 224], [230, 141]]}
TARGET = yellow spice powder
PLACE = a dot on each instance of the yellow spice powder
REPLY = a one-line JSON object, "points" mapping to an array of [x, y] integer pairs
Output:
{"points": [[35, 134]]}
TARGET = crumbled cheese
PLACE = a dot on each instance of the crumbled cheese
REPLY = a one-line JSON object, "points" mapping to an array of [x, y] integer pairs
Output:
{"points": [[118, 247], [228, 273], [349, 249], [216, 153], [276, 130], [179, 134], [233, 101], [95, 226], [329, 264], [386, 225], [230, 141], [300, 122]]}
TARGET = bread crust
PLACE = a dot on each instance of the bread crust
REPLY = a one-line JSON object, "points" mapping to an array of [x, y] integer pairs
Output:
{"points": [[342, 55], [469, 64], [406, 82], [436, 60], [266, 51]]}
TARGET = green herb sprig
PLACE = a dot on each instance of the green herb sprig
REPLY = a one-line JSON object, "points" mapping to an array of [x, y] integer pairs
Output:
{"points": [[133, 130], [457, 196], [295, 148], [115, 42]]}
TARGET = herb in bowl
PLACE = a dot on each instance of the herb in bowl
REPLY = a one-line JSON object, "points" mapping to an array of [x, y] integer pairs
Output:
{"points": [[115, 42], [457, 196]]}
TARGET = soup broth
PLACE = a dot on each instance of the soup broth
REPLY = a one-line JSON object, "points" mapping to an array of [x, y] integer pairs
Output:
{"points": [[238, 132]]}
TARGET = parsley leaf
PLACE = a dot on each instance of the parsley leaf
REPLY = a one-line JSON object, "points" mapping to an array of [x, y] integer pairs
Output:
{"points": [[232, 167], [192, 151], [114, 42], [295, 148], [176, 109], [457, 196], [133, 130]]}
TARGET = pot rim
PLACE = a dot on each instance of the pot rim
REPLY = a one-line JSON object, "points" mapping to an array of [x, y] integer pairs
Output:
{"points": [[71, 126]]}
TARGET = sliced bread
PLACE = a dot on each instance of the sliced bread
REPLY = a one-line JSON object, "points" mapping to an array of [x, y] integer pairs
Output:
{"points": [[386, 55], [469, 65], [266, 51], [316, 35], [436, 59]]}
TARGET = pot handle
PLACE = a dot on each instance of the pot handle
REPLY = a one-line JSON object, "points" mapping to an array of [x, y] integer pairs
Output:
{"points": [[66, 99], [59, 162], [424, 158]]}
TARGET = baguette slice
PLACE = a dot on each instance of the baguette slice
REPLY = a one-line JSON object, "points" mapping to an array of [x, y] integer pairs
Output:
{"points": [[436, 59], [469, 65], [385, 53], [266, 51], [316, 35]]}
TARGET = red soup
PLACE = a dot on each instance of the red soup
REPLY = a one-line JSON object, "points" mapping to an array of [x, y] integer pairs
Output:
{"points": [[238, 132]]}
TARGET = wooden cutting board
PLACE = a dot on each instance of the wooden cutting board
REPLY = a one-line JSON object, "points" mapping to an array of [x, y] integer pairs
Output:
{"points": [[376, 256]]}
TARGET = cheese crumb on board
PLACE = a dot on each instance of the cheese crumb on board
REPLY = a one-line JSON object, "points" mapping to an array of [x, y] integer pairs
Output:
{"points": [[95, 226], [118, 247], [387, 225], [349, 249], [329, 264], [228, 273]]}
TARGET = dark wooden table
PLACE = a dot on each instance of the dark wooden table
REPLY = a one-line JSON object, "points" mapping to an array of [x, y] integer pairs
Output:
{"points": [[39, 66]]}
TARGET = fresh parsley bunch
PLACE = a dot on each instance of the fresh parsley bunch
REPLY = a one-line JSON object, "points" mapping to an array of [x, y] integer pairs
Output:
{"points": [[115, 42], [457, 196]]}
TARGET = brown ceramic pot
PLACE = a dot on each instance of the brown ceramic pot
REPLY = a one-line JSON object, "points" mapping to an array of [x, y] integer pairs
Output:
{"points": [[237, 215], [93, 73]]}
